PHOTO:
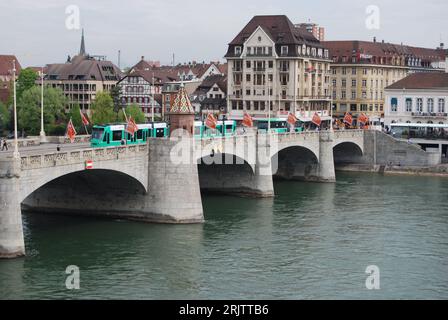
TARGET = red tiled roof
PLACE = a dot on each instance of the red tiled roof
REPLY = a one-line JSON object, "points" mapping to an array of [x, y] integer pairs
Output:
{"points": [[382, 49], [422, 80], [4, 95], [6, 65]]}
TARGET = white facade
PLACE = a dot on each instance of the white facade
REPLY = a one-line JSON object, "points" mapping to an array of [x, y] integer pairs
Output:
{"points": [[429, 106]]}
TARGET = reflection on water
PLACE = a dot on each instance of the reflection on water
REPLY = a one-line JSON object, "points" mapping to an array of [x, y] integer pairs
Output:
{"points": [[311, 241]]}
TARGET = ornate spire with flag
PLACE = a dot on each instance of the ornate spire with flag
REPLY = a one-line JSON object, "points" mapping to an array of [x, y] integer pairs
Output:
{"points": [[71, 131], [317, 120], [211, 121], [248, 121], [132, 127]]}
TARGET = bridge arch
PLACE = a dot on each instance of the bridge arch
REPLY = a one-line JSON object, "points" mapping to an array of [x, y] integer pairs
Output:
{"points": [[295, 162], [347, 152], [225, 174], [90, 191]]}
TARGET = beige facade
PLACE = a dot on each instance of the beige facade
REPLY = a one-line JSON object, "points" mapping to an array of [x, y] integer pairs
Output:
{"points": [[290, 77], [360, 88]]}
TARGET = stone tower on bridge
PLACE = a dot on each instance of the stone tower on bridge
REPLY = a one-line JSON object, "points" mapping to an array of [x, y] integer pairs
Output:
{"points": [[182, 113]]}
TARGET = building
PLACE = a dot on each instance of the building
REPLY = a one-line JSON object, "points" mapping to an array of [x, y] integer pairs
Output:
{"points": [[274, 65], [361, 71], [317, 31], [211, 97], [6, 66], [82, 77], [418, 98], [141, 88]]}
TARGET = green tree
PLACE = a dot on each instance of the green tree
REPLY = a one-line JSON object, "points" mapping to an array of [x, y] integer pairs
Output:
{"points": [[26, 80], [5, 117], [133, 111], [103, 109], [115, 93], [29, 112]]}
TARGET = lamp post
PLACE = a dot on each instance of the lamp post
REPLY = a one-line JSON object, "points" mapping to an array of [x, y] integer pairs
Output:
{"points": [[16, 141], [43, 138]]}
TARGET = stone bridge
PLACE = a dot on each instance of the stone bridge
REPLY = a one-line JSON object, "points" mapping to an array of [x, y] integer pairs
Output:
{"points": [[160, 181]]}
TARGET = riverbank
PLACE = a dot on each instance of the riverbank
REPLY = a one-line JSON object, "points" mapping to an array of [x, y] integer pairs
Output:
{"points": [[435, 171]]}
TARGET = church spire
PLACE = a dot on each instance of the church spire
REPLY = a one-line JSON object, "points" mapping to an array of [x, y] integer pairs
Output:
{"points": [[82, 51]]}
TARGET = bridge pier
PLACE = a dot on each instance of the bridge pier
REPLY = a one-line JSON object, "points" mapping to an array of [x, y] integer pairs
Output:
{"points": [[173, 182], [326, 170], [12, 243]]}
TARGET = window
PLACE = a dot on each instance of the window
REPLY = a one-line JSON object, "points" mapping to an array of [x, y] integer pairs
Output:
{"points": [[419, 105], [344, 83], [353, 95], [353, 71], [248, 77], [364, 83], [353, 107], [441, 105], [334, 82], [271, 64], [248, 64], [284, 50], [364, 71], [354, 82], [238, 50], [343, 108], [408, 105], [343, 94], [431, 105], [116, 136], [394, 105], [364, 108], [344, 71]]}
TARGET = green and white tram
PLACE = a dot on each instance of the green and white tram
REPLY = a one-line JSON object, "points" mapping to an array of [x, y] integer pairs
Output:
{"points": [[277, 126], [114, 135], [223, 129]]}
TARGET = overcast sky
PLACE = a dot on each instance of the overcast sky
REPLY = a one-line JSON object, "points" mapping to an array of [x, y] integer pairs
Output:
{"points": [[35, 30]]}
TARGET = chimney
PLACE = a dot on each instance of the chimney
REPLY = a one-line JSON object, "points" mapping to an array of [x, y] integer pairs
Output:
{"points": [[374, 39], [143, 58]]}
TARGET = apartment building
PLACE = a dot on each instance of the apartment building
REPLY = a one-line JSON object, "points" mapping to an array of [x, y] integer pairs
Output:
{"points": [[362, 70], [275, 68]]}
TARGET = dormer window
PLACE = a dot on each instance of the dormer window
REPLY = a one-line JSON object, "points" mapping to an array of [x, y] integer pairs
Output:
{"points": [[284, 50], [238, 50]]}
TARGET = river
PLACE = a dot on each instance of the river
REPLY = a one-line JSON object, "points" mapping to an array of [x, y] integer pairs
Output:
{"points": [[313, 241]]}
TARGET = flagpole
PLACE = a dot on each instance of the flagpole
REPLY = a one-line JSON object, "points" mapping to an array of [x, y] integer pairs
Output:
{"points": [[43, 138], [125, 116], [16, 140]]}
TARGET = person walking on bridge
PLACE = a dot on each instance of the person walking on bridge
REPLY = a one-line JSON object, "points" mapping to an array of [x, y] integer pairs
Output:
{"points": [[4, 144]]}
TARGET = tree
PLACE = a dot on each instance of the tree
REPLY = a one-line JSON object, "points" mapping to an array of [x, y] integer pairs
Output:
{"points": [[29, 109], [115, 93], [133, 111], [26, 80], [103, 109], [4, 117]]}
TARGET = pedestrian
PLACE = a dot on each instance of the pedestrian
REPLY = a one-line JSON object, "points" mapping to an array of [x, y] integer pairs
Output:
{"points": [[4, 144]]}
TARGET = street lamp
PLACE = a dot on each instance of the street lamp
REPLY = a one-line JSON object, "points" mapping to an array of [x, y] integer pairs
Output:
{"points": [[43, 138], [16, 141]]}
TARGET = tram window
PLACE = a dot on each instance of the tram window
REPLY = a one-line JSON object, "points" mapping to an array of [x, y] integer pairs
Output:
{"points": [[97, 133], [229, 128], [106, 138], [197, 131], [116, 136], [140, 135]]}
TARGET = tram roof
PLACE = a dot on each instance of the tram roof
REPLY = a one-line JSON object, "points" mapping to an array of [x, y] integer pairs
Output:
{"points": [[420, 125]]}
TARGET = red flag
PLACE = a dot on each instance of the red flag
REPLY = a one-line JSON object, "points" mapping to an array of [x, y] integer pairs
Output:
{"points": [[317, 120], [84, 119], [71, 131], [211, 122], [292, 119], [363, 119], [348, 119], [131, 128], [248, 121]]}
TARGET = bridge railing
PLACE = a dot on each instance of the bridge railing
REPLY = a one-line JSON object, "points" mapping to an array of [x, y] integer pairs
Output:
{"points": [[80, 156]]}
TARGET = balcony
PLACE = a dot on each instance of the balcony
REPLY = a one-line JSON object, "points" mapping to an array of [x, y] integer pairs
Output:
{"points": [[257, 69], [429, 115], [259, 54], [237, 69], [283, 69]]}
